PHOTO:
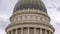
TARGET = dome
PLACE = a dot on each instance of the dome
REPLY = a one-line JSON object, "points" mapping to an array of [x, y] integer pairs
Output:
{"points": [[36, 4]]}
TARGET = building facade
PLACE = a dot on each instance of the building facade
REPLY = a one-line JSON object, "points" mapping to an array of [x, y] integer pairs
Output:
{"points": [[30, 17]]}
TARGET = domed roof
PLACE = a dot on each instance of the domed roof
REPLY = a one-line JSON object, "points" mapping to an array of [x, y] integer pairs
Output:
{"points": [[36, 4]]}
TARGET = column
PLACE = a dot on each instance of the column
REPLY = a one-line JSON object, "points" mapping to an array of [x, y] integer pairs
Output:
{"points": [[28, 30], [45, 31], [16, 31], [21, 30], [34, 30], [41, 31]]}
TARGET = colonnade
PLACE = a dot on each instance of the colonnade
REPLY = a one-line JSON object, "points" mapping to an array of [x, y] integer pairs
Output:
{"points": [[29, 30]]}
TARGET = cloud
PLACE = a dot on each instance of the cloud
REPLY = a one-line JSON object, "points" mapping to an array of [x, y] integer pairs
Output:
{"points": [[6, 9], [2, 31], [57, 28], [58, 9], [3, 23], [58, 24]]}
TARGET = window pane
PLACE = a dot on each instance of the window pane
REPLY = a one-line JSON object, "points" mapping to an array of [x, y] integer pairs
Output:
{"points": [[25, 31], [47, 32], [31, 31], [43, 31], [51, 33], [14, 31], [19, 31], [37, 31], [9, 32]]}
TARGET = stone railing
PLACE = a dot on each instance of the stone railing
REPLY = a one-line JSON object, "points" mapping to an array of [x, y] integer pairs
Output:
{"points": [[34, 11]]}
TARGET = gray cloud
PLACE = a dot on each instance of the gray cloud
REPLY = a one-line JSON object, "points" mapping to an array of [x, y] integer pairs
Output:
{"points": [[58, 24], [6, 9], [58, 9], [3, 23]]}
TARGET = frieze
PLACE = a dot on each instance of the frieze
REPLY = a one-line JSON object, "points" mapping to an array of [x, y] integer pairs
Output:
{"points": [[30, 12], [29, 18]]}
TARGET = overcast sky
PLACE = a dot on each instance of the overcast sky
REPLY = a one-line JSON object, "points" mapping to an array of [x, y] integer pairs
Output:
{"points": [[6, 10]]}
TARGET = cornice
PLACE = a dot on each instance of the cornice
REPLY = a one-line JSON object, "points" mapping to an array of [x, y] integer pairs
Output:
{"points": [[48, 25]]}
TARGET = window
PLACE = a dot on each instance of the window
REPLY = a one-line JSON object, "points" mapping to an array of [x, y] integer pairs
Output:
{"points": [[19, 31], [14, 31], [31, 31], [37, 31], [25, 31], [47, 32], [43, 31], [9, 32], [51, 33]]}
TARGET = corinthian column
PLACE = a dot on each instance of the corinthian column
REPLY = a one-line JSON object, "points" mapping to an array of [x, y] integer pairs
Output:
{"points": [[45, 31], [21, 30], [40, 31], [34, 30], [16, 31], [28, 30]]}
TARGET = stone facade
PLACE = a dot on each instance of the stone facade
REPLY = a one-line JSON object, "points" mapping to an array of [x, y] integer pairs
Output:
{"points": [[30, 21]]}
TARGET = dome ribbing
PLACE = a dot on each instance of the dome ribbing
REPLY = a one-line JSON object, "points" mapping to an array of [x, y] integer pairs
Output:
{"points": [[36, 4]]}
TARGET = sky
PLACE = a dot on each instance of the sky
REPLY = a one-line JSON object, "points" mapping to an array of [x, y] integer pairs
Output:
{"points": [[6, 10]]}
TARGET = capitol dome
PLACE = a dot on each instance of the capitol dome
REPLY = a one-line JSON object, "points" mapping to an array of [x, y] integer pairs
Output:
{"points": [[36, 4], [30, 17]]}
